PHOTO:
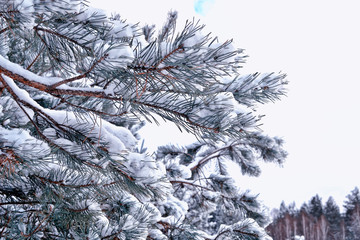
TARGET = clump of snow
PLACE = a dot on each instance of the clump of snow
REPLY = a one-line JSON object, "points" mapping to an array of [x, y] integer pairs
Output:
{"points": [[6, 122], [64, 143], [176, 208], [129, 223], [155, 213], [193, 40], [109, 90], [22, 227], [157, 234], [225, 52], [251, 227], [26, 8], [49, 132], [16, 68], [121, 134], [177, 170], [59, 7], [144, 168], [299, 238], [118, 138], [8, 105], [121, 29], [22, 141], [121, 56], [91, 11]]}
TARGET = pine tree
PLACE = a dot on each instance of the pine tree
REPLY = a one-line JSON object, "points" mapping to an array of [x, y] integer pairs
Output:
{"points": [[355, 223], [304, 208], [76, 86], [352, 206], [333, 216], [283, 209], [315, 206]]}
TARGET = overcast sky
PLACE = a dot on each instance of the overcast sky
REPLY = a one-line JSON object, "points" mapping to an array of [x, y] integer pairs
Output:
{"points": [[317, 43]]}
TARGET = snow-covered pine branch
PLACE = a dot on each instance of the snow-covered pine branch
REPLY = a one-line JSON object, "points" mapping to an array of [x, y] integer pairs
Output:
{"points": [[76, 85]]}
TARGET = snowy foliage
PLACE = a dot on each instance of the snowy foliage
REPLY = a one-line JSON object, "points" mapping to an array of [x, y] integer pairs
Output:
{"points": [[76, 85]]}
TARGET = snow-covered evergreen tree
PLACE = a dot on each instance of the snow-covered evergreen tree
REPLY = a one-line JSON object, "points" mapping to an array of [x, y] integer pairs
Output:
{"points": [[76, 86], [315, 206], [352, 214], [333, 216]]}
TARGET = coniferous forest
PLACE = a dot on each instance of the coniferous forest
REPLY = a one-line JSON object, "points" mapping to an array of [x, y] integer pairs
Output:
{"points": [[317, 221]]}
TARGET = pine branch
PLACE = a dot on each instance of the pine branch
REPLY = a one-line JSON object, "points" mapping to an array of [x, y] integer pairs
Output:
{"points": [[35, 59], [40, 29], [62, 100], [61, 183], [4, 30], [48, 48], [192, 184], [180, 49], [17, 99], [65, 154], [39, 226], [237, 231], [112, 235], [11, 12], [80, 76], [210, 156], [5, 226], [94, 93], [25, 203], [78, 210]]}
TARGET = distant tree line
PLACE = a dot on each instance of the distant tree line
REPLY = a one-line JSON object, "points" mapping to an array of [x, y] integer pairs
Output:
{"points": [[316, 221]]}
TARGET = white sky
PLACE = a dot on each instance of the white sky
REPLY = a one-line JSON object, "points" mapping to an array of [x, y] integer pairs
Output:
{"points": [[317, 43]]}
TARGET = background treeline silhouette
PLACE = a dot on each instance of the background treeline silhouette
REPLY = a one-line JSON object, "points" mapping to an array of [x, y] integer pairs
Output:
{"points": [[316, 221]]}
